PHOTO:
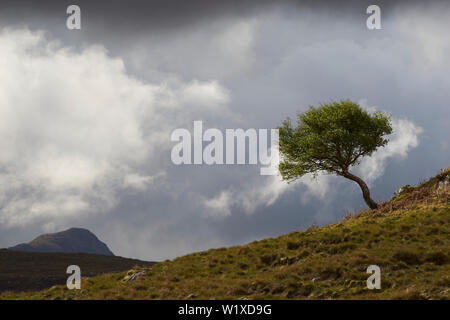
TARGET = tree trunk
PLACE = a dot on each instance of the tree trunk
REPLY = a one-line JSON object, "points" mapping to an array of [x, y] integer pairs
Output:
{"points": [[365, 190]]}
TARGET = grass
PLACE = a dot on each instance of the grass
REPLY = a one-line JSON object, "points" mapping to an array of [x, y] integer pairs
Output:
{"points": [[407, 238]]}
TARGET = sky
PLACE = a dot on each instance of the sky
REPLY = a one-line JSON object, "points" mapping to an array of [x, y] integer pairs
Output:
{"points": [[86, 115]]}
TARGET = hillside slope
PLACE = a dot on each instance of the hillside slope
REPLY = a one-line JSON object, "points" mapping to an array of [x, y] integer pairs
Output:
{"points": [[407, 237], [73, 240]]}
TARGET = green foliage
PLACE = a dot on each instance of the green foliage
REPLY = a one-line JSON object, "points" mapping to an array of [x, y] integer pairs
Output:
{"points": [[330, 138]]}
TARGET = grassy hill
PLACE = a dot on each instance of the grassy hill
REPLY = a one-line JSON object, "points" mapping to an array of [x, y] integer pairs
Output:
{"points": [[24, 271], [407, 237]]}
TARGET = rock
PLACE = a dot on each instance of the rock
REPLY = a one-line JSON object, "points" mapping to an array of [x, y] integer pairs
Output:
{"points": [[402, 190], [443, 186], [134, 275], [286, 261]]}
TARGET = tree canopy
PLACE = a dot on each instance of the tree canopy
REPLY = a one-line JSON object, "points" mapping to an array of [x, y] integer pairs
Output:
{"points": [[332, 138]]}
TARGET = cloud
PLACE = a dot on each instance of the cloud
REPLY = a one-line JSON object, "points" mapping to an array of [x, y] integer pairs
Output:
{"points": [[405, 137], [251, 195], [248, 198], [263, 191], [76, 128], [222, 55], [138, 182], [220, 205], [426, 39]]}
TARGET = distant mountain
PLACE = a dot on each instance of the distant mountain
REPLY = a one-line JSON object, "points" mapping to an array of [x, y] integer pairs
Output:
{"points": [[74, 240]]}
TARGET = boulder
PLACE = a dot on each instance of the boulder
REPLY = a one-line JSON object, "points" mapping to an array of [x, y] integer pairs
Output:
{"points": [[134, 275], [402, 190], [443, 185]]}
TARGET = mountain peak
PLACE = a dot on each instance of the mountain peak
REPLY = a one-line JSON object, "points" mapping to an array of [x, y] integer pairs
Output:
{"points": [[73, 240]]}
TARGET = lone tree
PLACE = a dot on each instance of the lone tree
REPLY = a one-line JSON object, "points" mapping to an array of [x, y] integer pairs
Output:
{"points": [[332, 138]]}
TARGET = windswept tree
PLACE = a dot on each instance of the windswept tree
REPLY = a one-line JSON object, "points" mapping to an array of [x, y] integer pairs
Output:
{"points": [[332, 138]]}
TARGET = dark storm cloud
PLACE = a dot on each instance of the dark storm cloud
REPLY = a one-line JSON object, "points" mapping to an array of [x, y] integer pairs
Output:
{"points": [[136, 16], [128, 16]]}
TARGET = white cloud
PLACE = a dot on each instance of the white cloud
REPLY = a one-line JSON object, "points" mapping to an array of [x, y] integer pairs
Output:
{"points": [[75, 128], [139, 182], [253, 196], [220, 205], [404, 138], [248, 197]]}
